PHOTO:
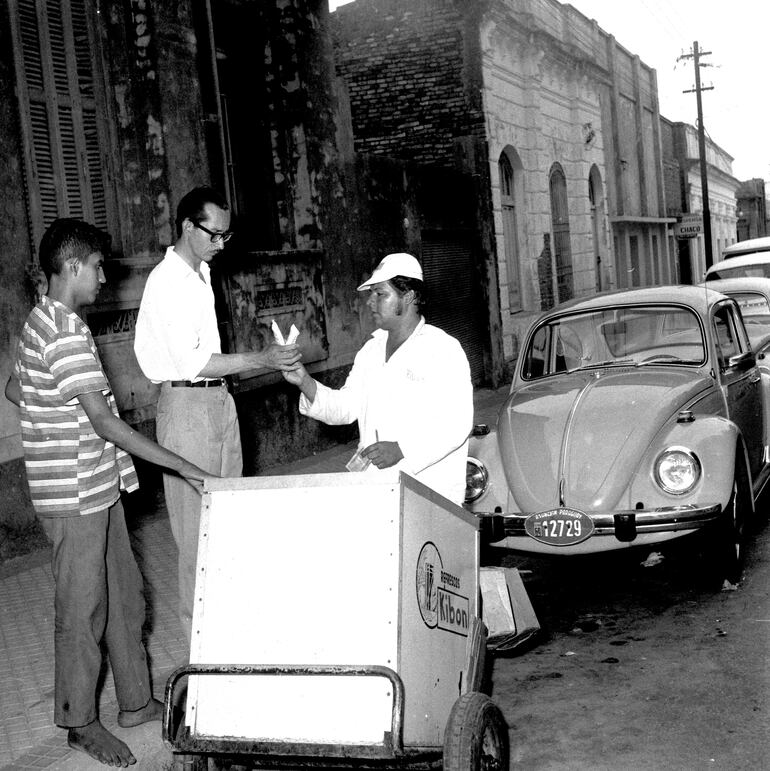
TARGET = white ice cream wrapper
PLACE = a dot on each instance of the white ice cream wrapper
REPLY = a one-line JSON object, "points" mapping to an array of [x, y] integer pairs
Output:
{"points": [[278, 335]]}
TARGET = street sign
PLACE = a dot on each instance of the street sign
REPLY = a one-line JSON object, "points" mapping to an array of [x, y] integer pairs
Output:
{"points": [[689, 226]]}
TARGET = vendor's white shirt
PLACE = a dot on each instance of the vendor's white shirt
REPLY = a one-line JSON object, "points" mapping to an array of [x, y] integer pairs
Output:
{"points": [[421, 398], [176, 329]]}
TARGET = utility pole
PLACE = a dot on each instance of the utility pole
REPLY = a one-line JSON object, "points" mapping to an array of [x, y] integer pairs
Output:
{"points": [[704, 182]]}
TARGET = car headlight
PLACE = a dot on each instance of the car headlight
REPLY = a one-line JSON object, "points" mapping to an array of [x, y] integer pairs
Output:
{"points": [[476, 480], [677, 470]]}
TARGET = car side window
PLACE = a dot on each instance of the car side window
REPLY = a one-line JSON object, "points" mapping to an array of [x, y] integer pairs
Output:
{"points": [[534, 365], [554, 348], [755, 311], [726, 336]]}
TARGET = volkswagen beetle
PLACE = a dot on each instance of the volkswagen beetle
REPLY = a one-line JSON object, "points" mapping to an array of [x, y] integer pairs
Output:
{"points": [[634, 418]]}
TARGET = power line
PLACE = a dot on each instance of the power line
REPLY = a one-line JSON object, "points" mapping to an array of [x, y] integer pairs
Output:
{"points": [[666, 23]]}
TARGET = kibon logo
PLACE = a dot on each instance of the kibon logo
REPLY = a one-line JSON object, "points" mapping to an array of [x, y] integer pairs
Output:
{"points": [[440, 607]]}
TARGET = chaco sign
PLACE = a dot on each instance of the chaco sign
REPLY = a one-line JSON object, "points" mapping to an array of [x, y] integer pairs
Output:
{"points": [[689, 226]]}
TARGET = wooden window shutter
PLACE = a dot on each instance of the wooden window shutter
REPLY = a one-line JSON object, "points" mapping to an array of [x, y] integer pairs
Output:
{"points": [[59, 107]]}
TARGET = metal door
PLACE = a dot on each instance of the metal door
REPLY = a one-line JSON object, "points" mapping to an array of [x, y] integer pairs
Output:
{"points": [[454, 298]]}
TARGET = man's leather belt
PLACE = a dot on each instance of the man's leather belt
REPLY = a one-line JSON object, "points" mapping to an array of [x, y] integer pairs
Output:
{"points": [[215, 383]]}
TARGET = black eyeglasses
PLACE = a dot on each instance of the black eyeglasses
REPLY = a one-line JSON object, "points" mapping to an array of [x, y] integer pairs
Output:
{"points": [[215, 237]]}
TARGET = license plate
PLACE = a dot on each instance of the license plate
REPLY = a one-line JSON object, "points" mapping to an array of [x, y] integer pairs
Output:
{"points": [[559, 527]]}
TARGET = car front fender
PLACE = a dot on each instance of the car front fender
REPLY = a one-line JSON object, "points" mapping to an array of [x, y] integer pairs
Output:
{"points": [[713, 440]]}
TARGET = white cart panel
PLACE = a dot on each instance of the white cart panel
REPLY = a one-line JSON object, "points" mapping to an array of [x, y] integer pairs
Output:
{"points": [[296, 570], [331, 569]]}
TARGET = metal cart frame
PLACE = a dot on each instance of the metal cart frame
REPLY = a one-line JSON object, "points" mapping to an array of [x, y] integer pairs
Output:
{"points": [[475, 735]]}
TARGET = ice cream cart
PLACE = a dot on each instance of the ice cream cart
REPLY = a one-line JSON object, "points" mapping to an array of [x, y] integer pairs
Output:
{"points": [[336, 624]]}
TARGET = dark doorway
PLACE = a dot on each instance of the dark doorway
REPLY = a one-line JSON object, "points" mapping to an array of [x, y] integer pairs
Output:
{"points": [[453, 301]]}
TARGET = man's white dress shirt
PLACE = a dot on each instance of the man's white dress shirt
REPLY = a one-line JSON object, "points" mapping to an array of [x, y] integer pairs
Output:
{"points": [[421, 397], [176, 329]]}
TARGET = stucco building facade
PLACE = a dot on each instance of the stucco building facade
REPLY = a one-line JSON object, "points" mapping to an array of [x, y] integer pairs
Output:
{"points": [[685, 195], [556, 121], [752, 209]]}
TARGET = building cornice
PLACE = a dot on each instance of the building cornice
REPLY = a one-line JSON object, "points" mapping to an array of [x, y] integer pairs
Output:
{"points": [[620, 218]]}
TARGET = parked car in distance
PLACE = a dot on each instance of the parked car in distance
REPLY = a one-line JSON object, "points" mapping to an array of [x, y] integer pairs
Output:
{"points": [[634, 418], [757, 264], [749, 246], [753, 298]]}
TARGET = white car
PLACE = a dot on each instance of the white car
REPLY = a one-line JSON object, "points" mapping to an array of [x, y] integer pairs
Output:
{"points": [[753, 298], [756, 265], [749, 246]]}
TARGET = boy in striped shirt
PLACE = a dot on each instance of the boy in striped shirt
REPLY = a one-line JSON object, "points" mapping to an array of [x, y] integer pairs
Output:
{"points": [[75, 453]]}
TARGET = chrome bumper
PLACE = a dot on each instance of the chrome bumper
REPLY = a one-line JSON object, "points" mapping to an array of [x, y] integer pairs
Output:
{"points": [[624, 525]]}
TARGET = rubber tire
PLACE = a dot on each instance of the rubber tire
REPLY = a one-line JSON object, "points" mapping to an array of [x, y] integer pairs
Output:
{"points": [[476, 736], [727, 545]]}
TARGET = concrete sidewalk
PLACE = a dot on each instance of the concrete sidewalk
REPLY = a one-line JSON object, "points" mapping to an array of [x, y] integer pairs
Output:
{"points": [[28, 737]]}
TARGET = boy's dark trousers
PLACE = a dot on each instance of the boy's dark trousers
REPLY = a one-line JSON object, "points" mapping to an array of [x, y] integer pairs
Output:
{"points": [[98, 595]]}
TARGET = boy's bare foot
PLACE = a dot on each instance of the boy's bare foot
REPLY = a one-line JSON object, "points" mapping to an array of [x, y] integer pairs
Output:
{"points": [[153, 710], [95, 740]]}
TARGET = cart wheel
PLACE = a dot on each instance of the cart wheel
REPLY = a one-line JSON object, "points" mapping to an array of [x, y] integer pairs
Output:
{"points": [[476, 736]]}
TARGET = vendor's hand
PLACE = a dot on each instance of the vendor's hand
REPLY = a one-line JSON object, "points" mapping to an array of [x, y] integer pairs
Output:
{"points": [[383, 454], [281, 357], [296, 375]]}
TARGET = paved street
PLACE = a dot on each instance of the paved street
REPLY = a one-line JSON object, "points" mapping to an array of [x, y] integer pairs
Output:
{"points": [[639, 667]]}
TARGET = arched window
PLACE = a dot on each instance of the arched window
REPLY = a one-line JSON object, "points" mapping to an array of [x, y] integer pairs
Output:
{"points": [[509, 183], [562, 250]]}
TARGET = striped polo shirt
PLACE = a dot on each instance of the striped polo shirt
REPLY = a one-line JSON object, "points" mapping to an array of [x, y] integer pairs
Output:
{"points": [[71, 470]]}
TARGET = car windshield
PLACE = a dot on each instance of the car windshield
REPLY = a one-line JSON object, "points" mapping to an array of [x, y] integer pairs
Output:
{"points": [[634, 336], [756, 316]]}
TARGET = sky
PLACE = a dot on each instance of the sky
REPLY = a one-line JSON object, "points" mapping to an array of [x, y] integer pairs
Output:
{"points": [[736, 113]]}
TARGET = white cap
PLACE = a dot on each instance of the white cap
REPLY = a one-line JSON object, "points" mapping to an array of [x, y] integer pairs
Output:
{"points": [[398, 264]]}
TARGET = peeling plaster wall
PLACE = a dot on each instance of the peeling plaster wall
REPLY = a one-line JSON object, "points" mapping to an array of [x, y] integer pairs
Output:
{"points": [[145, 77], [352, 207], [364, 218], [16, 295], [180, 156], [152, 95]]}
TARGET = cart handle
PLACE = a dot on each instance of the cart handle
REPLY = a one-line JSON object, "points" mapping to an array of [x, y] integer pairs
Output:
{"points": [[335, 670]]}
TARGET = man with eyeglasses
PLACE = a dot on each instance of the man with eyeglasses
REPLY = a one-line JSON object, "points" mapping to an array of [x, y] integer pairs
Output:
{"points": [[177, 345]]}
